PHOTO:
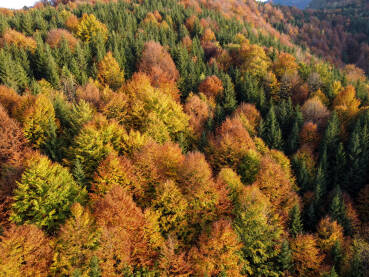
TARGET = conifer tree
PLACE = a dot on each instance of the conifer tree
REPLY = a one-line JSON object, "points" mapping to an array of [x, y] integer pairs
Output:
{"points": [[285, 257], [293, 139], [295, 224], [337, 211], [272, 134], [337, 255], [330, 145]]}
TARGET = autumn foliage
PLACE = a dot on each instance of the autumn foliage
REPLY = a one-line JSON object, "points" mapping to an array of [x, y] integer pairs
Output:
{"points": [[180, 138], [56, 36], [18, 39], [212, 86], [25, 251], [158, 64]]}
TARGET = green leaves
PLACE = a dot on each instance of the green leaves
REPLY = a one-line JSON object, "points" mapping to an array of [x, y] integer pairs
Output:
{"points": [[45, 194]]}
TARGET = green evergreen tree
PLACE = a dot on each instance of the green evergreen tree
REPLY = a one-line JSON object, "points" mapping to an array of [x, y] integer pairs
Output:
{"points": [[330, 144], [228, 101], [337, 211], [285, 257], [332, 273], [95, 270], [337, 255], [272, 134], [295, 224], [293, 139]]}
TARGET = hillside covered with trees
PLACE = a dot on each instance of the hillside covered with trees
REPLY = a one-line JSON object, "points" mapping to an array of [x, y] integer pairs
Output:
{"points": [[177, 138], [337, 31]]}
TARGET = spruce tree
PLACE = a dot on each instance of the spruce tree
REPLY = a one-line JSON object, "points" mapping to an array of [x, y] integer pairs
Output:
{"points": [[295, 224], [293, 139], [337, 255], [95, 270], [228, 100], [272, 134], [337, 210], [330, 144], [285, 257], [333, 273]]}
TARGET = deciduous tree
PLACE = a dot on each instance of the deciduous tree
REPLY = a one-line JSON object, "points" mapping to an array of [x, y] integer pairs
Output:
{"points": [[158, 64], [218, 252], [90, 28], [306, 256], [109, 72], [45, 194], [25, 251], [76, 243]]}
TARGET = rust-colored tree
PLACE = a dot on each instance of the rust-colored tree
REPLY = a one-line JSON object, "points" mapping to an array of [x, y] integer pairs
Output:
{"points": [[198, 111], [218, 252], [12, 140], [249, 116], [158, 64], [124, 244], [18, 39], [212, 87], [273, 181], [56, 36], [309, 134], [24, 251], [306, 255], [173, 261], [229, 145]]}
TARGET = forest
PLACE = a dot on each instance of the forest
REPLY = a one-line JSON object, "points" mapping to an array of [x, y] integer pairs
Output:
{"points": [[178, 138], [337, 31]]}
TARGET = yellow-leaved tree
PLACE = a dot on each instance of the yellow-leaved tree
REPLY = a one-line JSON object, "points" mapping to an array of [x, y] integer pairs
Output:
{"points": [[90, 27], [76, 243], [109, 72]]}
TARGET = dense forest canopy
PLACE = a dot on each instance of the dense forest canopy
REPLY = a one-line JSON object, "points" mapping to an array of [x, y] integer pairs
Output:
{"points": [[178, 138], [337, 31]]}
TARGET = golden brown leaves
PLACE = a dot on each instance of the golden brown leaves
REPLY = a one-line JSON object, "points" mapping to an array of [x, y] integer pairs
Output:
{"points": [[276, 184], [158, 64], [230, 144], [124, 243], [212, 86], [198, 111], [56, 36], [217, 252], [285, 65], [18, 39], [306, 256], [346, 104], [110, 73], [329, 232], [24, 251]]}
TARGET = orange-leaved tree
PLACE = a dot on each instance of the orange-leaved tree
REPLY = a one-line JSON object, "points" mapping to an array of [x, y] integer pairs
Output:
{"points": [[25, 251], [124, 245], [218, 252], [158, 64]]}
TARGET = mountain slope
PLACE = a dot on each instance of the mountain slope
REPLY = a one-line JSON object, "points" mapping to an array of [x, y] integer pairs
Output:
{"points": [[178, 138], [301, 4]]}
